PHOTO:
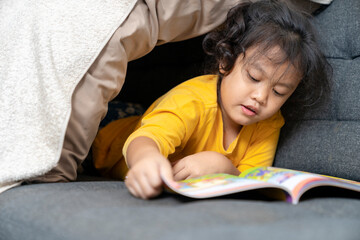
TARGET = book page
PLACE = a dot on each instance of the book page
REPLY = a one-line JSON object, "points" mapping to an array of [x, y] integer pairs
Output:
{"points": [[215, 185], [297, 182], [287, 178], [293, 183]]}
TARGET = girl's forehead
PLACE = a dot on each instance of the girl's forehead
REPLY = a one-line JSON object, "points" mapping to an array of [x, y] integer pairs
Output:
{"points": [[274, 55], [272, 63]]}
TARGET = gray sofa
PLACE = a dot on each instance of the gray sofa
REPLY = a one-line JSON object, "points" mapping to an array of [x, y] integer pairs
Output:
{"points": [[326, 141]]}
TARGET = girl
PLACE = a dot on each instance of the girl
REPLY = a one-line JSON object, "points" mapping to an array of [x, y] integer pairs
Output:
{"points": [[264, 55]]}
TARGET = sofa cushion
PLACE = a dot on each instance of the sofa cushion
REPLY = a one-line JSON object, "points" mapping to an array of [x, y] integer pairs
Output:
{"points": [[338, 27], [348, 89], [321, 146], [340, 42], [326, 140], [106, 210]]}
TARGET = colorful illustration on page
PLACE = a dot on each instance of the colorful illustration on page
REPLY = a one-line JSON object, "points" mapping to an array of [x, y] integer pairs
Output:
{"points": [[269, 174], [206, 182]]}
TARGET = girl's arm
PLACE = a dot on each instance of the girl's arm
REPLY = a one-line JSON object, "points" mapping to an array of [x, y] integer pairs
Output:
{"points": [[146, 166], [203, 163]]}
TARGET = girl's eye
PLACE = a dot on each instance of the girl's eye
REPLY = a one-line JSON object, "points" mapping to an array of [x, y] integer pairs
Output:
{"points": [[252, 78], [278, 94]]}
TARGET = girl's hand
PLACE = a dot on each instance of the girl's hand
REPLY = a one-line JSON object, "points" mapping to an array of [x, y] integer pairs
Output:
{"points": [[202, 163], [144, 178], [147, 167]]}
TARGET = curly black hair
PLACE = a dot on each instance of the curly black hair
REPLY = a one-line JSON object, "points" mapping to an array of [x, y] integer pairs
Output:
{"points": [[267, 24]]}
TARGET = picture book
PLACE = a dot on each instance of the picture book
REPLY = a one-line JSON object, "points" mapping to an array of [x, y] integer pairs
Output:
{"points": [[293, 183]]}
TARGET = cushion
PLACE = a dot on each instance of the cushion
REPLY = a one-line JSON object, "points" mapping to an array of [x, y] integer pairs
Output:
{"points": [[321, 146], [106, 210], [326, 140]]}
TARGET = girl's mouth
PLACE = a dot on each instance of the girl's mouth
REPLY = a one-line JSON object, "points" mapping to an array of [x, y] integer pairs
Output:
{"points": [[248, 110]]}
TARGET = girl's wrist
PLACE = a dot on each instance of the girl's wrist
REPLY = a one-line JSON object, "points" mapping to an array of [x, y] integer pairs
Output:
{"points": [[139, 149]]}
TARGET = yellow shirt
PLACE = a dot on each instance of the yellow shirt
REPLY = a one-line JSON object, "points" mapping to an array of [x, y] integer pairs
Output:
{"points": [[184, 121]]}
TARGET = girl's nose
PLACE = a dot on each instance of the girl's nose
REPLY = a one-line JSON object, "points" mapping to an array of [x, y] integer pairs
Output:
{"points": [[260, 94]]}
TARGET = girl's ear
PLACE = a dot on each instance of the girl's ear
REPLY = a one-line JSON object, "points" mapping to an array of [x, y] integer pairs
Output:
{"points": [[221, 69]]}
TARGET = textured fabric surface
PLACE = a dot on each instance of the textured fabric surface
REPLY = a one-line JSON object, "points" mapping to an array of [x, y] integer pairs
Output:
{"points": [[338, 28], [348, 88], [105, 210], [151, 22], [46, 49], [327, 140], [324, 147]]}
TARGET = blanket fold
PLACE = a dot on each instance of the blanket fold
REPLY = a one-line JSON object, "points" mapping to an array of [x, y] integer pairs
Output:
{"points": [[45, 49]]}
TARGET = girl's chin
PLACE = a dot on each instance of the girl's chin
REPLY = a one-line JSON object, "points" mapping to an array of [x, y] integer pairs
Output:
{"points": [[245, 122]]}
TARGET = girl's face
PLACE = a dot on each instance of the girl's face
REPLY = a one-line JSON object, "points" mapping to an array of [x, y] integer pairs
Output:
{"points": [[255, 89]]}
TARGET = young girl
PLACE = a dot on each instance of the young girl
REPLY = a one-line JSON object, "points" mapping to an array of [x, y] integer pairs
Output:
{"points": [[264, 55]]}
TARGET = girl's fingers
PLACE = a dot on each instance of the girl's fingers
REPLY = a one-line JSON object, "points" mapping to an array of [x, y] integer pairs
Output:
{"points": [[181, 175], [146, 180], [143, 186], [133, 187], [173, 163], [155, 181], [179, 170], [178, 167], [166, 171], [148, 188]]}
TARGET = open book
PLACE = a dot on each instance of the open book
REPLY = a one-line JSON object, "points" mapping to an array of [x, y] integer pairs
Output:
{"points": [[292, 183]]}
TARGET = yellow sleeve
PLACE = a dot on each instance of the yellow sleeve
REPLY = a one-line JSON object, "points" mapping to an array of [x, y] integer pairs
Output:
{"points": [[171, 121], [262, 147]]}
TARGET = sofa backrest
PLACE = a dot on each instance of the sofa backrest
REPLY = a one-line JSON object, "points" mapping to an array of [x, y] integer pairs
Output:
{"points": [[327, 141]]}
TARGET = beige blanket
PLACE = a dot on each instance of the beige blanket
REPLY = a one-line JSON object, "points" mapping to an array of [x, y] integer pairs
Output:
{"points": [[46, 46]]}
